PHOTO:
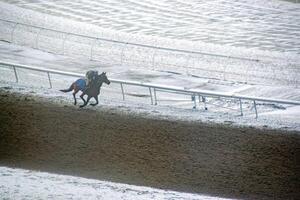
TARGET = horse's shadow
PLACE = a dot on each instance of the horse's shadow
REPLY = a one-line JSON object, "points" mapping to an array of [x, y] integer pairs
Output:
{"points": [[92, 91]]}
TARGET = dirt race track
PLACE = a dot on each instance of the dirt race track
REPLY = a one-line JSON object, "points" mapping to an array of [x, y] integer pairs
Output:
{"points": [[185, 156]]}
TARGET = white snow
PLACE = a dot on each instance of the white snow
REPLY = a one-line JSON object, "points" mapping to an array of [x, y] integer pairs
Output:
{"points": [[137, 99], [27, 185], [264, 24], [274, 67], [263, 30]]}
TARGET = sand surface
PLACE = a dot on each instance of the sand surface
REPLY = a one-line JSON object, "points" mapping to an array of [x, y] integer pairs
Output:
{"points": [[193, 157]]}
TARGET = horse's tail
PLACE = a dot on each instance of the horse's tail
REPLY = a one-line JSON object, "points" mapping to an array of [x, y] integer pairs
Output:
{"points": [[69, 89]]}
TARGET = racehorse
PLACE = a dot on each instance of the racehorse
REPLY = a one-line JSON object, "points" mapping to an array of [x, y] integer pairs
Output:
{"points": [[92, 91]]}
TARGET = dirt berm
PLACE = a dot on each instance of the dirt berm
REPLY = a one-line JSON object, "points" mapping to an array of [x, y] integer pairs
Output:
{"points": [[211, 159]]}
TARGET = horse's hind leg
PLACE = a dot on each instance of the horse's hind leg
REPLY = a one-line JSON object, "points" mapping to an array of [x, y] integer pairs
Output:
{"points": [[86, 102], [96, 98], [74, 93]]}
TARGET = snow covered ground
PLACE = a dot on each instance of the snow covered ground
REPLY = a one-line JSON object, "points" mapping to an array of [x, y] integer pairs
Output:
{"points": [[215, 61], [27, 184], [263, 24], [267, 31], [170, 106]]}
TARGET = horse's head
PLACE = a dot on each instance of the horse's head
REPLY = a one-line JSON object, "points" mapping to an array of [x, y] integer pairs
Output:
{"points": [[103, 78]]}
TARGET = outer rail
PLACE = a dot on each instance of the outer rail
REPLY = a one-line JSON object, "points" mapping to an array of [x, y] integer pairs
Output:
{"points": [[132, 44]]}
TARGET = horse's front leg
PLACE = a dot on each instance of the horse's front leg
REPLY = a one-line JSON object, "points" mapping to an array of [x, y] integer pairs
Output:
{"points": [[86, 102], [96, 98], [81, 96]]}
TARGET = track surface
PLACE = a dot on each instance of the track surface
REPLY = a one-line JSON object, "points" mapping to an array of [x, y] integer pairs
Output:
{"points": [[192, 157]]}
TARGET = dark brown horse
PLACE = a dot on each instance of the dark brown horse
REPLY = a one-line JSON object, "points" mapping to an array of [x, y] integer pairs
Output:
{"points": [[92, 91]]}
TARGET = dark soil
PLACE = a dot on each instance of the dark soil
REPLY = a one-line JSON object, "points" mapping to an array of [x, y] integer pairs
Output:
{"points": [[193, 157]]}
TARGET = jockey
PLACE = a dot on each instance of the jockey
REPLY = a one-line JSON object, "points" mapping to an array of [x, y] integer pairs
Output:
{"points": [[90, 77]]}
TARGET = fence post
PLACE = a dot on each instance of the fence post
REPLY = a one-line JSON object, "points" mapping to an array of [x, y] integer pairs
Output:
{"points": [[256, 115], [37, 39], [153, 59], [16, 75], [241, 106], [187, 64], [64, 41], [155, 98], [204, 101], [122, 53], [12, 32], [123, 95], [92, 47], [49, 79], [224, 72], [151, 95], [194, 100]]}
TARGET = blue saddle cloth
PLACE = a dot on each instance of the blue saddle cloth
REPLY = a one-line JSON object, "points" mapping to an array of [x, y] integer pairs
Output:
{"points": [[81, 84]]}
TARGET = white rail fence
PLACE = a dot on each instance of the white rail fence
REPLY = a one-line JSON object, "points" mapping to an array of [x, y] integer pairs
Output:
{"points": [[40, 29], [194, 94], [108, 51]]}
